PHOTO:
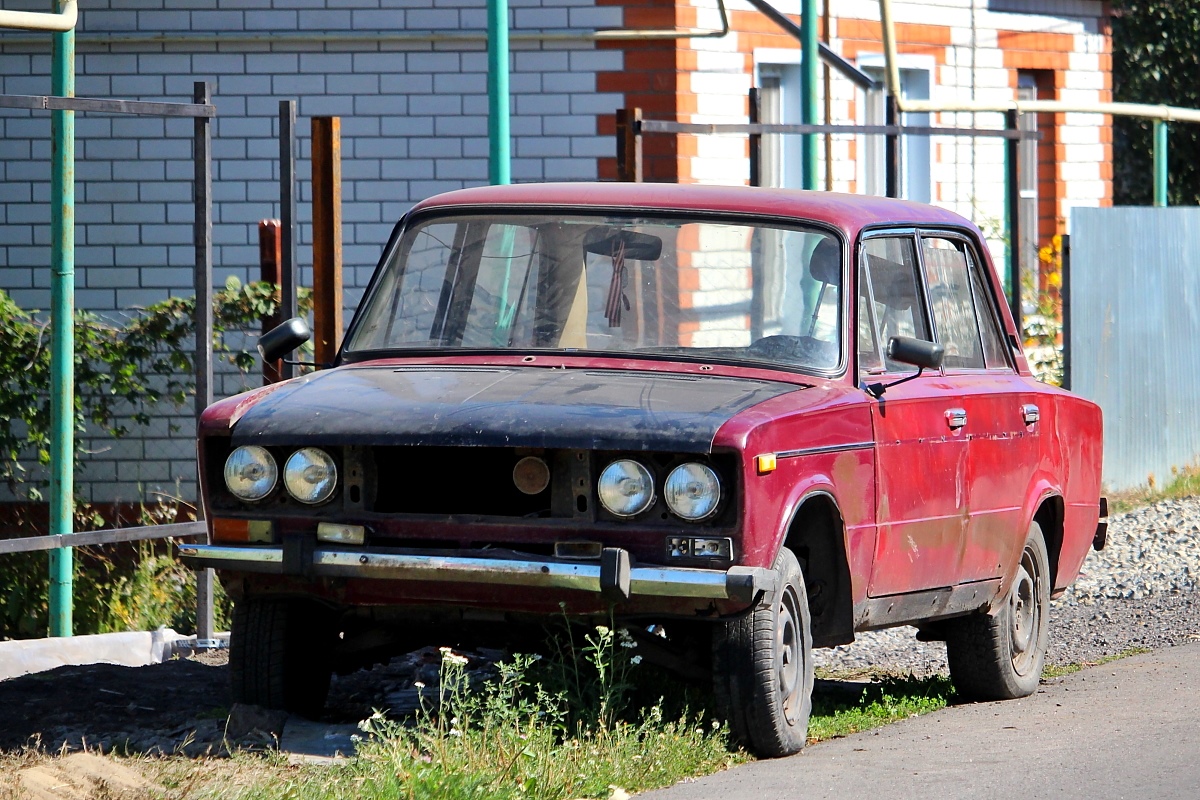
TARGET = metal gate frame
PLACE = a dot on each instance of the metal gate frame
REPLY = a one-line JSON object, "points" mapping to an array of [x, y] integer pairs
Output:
{"points": [[203, 112]]}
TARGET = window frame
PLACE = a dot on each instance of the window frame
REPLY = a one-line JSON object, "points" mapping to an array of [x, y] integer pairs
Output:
{"points": [[912, 233], [974, 264]]}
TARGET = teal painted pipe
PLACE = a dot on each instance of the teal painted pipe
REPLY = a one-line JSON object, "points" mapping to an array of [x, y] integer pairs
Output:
{"points": [[808, 90], [499, 152], [62, 331], [1160, 163]]}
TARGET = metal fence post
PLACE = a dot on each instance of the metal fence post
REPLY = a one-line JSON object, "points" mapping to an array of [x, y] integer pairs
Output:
{"points": [[327, 237], [891, 148], [629, 145], [1160, 163], [269, 247], [755, 140], [62, 342], [287, 217], [202, 195], [1012, 216]]}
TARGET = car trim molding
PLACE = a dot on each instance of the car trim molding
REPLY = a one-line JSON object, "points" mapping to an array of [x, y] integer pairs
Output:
{"points": [[829, 448], [736, 583]]}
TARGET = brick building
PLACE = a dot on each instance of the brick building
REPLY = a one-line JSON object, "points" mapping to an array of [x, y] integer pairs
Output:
{"points": [[408, 78]]}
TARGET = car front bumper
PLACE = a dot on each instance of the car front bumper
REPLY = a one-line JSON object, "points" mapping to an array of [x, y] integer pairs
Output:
{"points": [[611, 576]]}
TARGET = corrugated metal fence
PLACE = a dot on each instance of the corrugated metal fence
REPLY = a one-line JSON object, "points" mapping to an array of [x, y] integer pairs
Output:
{"points": [[1134, 332]]}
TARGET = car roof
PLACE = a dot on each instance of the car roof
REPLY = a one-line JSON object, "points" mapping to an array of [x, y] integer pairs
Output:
{"points": [[849, 212]]}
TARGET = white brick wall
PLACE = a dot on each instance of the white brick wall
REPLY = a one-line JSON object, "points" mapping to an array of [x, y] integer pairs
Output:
{"points": [[414, 123]]}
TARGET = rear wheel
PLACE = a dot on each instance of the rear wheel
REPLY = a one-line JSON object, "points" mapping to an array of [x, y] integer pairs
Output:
{"points": [[1000, 656], [763, 669], [281, 653]]}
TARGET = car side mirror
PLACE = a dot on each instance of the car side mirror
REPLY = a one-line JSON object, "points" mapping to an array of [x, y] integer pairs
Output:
{"points": [[918, 352], [283, 339], [921, 354]]}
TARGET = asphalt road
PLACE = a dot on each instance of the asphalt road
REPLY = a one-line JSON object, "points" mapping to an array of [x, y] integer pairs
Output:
{"points": [[1129, 729]]}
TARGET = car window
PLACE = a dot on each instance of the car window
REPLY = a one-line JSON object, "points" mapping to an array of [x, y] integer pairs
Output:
{"points": [[950, 301], [994, 353], [891, 264]]}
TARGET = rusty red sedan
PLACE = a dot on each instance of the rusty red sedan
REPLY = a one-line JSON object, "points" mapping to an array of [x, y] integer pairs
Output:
{"points": [[752, 421]]}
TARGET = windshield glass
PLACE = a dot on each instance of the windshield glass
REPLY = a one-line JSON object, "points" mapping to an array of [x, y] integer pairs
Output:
{"points": [[689, 287]]}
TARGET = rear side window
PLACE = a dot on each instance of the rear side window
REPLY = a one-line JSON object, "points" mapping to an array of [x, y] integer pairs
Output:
{"points": [[889, 265], [950, 301]]}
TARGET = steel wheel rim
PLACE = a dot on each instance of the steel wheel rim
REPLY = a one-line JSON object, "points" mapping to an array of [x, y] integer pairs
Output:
{"points": [[1026, 613], [790, 659]]}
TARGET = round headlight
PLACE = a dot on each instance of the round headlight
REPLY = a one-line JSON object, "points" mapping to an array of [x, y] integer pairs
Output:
{"points": [[626, 488], [310, 475], [250, 473], [692, 491]]}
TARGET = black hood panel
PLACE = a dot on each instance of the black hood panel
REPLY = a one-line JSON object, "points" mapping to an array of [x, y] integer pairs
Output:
{"points": [[502, 407]]}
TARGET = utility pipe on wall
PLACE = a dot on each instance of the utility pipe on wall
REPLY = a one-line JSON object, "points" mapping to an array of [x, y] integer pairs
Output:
{"points": [[61, 22], [891, 71], [1160, 163]]}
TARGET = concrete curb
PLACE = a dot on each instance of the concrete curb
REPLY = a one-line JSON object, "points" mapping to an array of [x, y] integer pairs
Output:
{"points": [[132, 649]]}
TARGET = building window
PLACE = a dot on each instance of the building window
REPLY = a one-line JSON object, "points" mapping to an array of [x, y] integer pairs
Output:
{"points": [[915, 163]]}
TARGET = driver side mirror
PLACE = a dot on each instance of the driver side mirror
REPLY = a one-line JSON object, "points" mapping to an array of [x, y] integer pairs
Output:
{"points": [[918, 352], [283, 339], [921, 354]]}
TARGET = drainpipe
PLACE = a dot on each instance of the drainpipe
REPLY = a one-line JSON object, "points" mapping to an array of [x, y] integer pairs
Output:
{"points": [[808, 90], [499, 141], [62, 316], [891, 71], [61, 22]]}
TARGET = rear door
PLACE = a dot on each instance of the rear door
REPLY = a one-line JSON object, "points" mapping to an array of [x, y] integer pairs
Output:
{"points": [[920, 448]]}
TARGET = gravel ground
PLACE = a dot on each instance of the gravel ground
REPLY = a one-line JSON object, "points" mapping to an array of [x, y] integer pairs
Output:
{"points": [[1137, 592]]}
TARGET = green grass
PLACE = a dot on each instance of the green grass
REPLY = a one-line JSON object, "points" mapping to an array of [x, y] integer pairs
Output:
{"points": [[1058, 671], [1184, 483], [592, 736], [837, 712]]}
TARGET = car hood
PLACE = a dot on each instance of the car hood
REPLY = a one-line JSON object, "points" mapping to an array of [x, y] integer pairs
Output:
{"points": [[502, 407]]}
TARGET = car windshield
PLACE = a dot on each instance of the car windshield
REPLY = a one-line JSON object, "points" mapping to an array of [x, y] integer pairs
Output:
{"points": [[689, 287]]}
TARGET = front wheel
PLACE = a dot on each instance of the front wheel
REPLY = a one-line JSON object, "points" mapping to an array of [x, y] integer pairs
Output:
{"points": [[1000, 656], [763, 668], [280, 653]]}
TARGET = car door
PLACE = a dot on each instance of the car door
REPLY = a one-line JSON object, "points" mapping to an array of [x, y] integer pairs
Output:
{"points": [[920, 449], [1001, 409]]}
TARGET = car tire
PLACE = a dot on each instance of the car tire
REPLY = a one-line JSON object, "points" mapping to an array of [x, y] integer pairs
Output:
{"points": [[281, 654], [763, 667], [1000, 656]]}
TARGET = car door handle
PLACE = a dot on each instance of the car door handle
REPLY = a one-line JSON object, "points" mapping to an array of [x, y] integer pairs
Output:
{"points": [[956, 418], [1030, 413]]}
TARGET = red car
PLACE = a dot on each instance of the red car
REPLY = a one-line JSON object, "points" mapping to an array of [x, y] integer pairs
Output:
{"points": [[761, 420]]}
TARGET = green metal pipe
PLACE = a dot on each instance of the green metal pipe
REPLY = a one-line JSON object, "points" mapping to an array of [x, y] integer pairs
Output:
{"points": [[499, 155], [809, 65], [62, 331], [1160, 163]]}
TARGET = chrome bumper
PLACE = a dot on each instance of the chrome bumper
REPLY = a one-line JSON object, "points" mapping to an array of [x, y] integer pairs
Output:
{"points": [[612, 574]]}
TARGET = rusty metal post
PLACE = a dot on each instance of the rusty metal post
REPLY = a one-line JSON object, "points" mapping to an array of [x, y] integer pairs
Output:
{"points": [[629, 145], [893, 179], [755, 140], [327, 237], [270, 253], [1012, 215]]}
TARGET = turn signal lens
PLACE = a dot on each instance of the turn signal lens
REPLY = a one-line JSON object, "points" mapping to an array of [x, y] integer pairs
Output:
{"points": [[310, 475], [243, 530], [342, 534], [626, 488], [692, 491], [250, 473]]}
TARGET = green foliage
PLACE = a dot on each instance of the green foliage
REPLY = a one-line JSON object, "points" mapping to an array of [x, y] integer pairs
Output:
{"points": [[121, 372], [512, 740], [1156, 58], [888, 700]]}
